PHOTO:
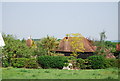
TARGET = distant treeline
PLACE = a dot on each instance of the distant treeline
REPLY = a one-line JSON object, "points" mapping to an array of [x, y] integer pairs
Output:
{"points": [[40, 39]]}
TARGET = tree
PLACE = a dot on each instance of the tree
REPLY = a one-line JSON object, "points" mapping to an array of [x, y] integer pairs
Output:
{"points": [[48, 43], [14, 48], [104, 47], [102, 36], [40, 50], [101, 45]]}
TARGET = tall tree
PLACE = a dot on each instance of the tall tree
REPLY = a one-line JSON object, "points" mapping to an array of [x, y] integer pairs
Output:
{"points": [[102, 36], [49, 43]]}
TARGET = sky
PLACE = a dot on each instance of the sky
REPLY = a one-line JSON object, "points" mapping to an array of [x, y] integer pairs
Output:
{"points": [[39, 19]]}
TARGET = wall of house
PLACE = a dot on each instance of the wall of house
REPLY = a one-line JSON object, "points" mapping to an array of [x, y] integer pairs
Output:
{"points": [[81, 55]]}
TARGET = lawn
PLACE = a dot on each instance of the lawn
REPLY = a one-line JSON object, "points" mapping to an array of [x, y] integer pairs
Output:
{"points": [[22, 73]]}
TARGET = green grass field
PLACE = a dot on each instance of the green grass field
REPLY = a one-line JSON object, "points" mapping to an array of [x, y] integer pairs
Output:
{"points": [[21, 73]]}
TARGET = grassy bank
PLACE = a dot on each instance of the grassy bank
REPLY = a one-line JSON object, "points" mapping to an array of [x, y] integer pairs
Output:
{"points": [[21, 73]]}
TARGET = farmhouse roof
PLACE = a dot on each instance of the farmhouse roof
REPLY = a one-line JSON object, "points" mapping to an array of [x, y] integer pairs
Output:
{"points": [[65, 46], [117, 47]]}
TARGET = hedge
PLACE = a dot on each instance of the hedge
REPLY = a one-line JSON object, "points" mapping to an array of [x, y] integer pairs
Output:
{"points": [[83, 63], [5, 62], [52, 61], [24, 62], [97, 61], [110, 62], [100, 62]]}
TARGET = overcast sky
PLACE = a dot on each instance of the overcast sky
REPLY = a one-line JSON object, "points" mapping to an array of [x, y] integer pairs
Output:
{"points": [[58, 19]]}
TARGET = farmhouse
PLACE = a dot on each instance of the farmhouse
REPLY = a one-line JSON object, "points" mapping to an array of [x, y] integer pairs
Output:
{"points": [[66, 48]]}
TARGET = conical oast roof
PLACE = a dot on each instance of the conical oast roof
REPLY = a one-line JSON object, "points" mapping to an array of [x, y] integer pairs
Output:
{"points": [[117, 47], [29, 42]]}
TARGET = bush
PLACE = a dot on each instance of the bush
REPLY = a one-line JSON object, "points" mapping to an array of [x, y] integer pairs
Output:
{"points": [[52, 61], [110, 63], [19, 62], [97, 61], [5, 62], [71, 57], [118, 62], [83, 63], [14, 48], [80, 63], [31, 63], [24, 62]]}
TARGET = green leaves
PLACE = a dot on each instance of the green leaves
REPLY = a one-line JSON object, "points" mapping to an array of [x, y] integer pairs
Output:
{"points": [[47, 44], [52, 61], [15, 48], [97, 61], [24, 62]]}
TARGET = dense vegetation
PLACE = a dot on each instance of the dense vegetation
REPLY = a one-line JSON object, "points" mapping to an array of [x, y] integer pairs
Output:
{"points": [[17, 54], [52, 61], [24, 62]]}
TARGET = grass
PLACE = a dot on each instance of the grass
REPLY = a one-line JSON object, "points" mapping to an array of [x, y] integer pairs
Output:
{"points": [[22, 73]]}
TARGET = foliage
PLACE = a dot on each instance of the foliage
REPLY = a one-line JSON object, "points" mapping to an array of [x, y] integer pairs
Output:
{"points": [[100, 62], [96, 61], [104, 47], [40, 50], [48, 43], [5, 62], [81, 63], [109, 62], [19, 62], [76, 43], [110, 44], [71, 57], [15, 48], [31, 63], [24, 62], [117, 54], [118, 62], [52, 61], [34, 46]]}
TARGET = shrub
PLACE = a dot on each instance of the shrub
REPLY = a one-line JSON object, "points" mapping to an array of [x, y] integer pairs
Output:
{"points": [[97, 61], [110, 63], [118, 62], [18, 62], [24, 62], [31, 63], [71, 57], [5, 62], [52, 61], [80, 63]]}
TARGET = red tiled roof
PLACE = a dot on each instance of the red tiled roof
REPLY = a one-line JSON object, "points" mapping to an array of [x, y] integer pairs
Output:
{"points": [[117, 47]]}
